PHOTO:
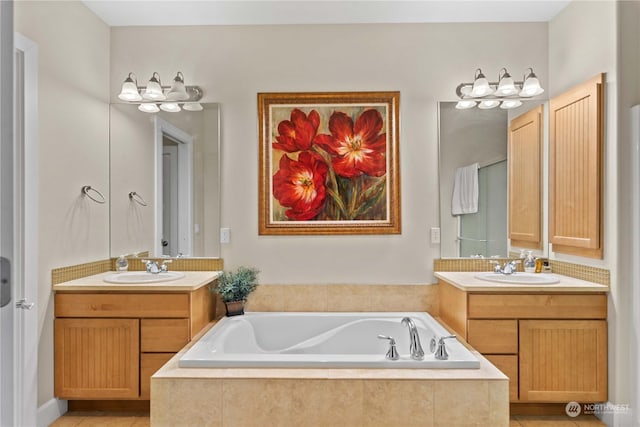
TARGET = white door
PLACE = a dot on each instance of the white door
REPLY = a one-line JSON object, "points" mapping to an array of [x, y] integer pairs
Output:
{"points": [[26, 228], [7, 300], [18, 232], [170, 200]]}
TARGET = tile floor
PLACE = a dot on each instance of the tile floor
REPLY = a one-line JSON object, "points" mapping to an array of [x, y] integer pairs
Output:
{"points": [[92, 419]]}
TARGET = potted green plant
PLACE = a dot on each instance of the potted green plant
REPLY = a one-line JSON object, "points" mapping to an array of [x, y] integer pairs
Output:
{"points": [[235, 286]]}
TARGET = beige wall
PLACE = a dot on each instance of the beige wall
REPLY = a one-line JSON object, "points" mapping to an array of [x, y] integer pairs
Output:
{"points": [[424, 62], [73, 144], [627, 302]]}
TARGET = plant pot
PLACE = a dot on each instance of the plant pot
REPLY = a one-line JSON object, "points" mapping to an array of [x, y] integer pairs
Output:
{"points": [[234, 308]]}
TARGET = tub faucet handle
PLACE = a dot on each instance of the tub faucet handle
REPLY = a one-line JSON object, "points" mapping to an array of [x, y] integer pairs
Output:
{"points": [[441, 352], [392, 354]]}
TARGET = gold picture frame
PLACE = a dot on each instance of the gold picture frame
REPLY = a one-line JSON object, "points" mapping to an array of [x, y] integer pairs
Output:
{"points": [[329, 163]]}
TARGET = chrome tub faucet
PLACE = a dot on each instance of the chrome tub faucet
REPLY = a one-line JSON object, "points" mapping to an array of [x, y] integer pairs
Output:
{"points": [[415, 348]]}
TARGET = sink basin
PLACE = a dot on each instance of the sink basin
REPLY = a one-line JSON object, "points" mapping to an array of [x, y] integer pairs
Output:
{"points": [[143, 277], [519, 278]]}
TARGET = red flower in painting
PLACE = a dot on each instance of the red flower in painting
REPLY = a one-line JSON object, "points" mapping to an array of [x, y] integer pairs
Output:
{"points": [[356, 149], [300, 185], [297, 134]]}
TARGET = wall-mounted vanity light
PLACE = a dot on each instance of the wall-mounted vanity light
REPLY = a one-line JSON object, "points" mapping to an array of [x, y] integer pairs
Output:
{"points": [[155, 97], [505, 93]]}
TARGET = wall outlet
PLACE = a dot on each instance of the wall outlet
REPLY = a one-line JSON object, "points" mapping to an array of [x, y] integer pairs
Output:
{"points": [[225, 235], [435, 234]]}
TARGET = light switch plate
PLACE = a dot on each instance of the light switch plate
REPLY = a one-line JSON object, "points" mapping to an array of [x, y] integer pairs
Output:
{"points": [[435, 234], [225, 235]]}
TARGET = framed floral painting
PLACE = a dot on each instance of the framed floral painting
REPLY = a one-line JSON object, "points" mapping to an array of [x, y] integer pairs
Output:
{"points": [[329, 163]]}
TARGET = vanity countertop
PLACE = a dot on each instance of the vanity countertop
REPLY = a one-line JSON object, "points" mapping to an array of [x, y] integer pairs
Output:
{"points": [[467, 281], [191, 281]]}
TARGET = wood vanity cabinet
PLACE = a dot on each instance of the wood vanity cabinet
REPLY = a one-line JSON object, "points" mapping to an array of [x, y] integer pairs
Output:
{"points": [[525, 179], [576, 127], [108, 344], [552, 346]]}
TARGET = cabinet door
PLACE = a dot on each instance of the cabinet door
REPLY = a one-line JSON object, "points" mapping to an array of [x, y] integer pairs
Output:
{"points": [[97, 358], [525, 180], [563, 360], [575, 170]]}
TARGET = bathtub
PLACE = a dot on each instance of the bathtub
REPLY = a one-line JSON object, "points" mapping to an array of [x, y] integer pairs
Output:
{"points": [[320, 340]]}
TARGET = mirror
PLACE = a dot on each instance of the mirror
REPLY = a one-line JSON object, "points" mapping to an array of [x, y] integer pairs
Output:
{"points": [[467, 137], [165, 182]]}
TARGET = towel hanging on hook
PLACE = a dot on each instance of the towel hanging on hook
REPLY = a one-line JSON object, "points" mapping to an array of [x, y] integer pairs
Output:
{"points": [[93, 194], [137, 198]]}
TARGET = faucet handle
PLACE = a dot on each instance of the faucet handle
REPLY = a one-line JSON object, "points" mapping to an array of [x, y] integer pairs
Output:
{"points": [[392, 353], [441, 352]]}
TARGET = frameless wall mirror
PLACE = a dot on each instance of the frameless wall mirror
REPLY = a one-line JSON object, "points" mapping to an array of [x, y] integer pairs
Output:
{"points": [[165, 182], [466, 138]]}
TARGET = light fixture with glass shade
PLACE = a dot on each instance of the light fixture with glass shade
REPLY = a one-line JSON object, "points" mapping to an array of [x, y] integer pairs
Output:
{"points": [[155, 97], [505, 92], [129, 91]]}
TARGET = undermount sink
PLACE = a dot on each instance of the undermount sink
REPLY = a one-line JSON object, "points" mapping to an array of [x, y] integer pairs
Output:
{"points": [[143, 277], [519, 278]]}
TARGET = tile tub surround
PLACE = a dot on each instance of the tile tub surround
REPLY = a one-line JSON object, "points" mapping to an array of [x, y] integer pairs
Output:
{"points": [[326, 397], [337, 297]]}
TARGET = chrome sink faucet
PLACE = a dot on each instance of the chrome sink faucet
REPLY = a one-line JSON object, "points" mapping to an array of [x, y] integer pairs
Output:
{"points": [[415, 348], [154, 268], [509, 267]]}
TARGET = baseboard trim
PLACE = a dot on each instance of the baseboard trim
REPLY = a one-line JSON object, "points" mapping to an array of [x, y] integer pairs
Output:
{"points": [[51, 411]]}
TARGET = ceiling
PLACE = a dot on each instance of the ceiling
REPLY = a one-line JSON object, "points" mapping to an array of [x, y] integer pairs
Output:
{"points": [[267, 12]]}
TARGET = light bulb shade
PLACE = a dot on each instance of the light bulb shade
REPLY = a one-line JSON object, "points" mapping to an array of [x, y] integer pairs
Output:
{"points": [[531, 87], [507, 104], [488, 104], [178, 92], [170, 107], [153, 91], [506, 86], [129, 90], [465, 104], [481, 85], [192, 106], [148, 107]]}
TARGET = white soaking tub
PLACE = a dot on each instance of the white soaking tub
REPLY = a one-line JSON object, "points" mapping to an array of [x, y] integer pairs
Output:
{"points": [[317, 340]]}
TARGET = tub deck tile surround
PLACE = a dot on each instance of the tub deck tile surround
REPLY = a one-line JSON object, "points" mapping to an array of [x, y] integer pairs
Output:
{"points": [[341, 298], [327, 397]]}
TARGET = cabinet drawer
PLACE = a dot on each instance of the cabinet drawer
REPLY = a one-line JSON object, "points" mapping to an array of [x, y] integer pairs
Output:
{"points": [[509, 366], [149, 364], [163, 335], [121, 305], [493, 336], [529, 306]]}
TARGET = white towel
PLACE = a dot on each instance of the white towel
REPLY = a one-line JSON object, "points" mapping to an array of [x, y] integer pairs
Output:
{"points": [[465, 190]]}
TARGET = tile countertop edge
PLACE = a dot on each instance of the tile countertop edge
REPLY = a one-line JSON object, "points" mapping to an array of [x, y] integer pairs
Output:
{"points": [[192, 281], [467, 281]]}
